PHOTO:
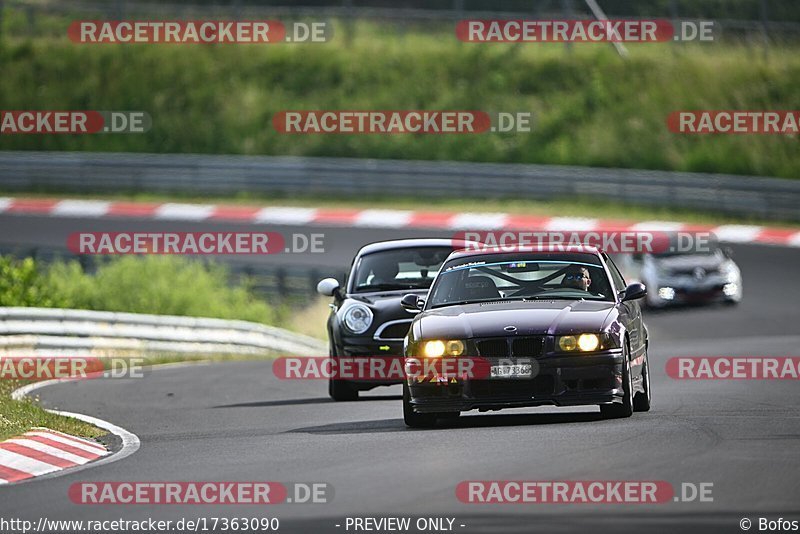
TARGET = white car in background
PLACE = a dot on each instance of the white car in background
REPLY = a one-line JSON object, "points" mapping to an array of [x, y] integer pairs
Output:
{"points": [[674, 278]]}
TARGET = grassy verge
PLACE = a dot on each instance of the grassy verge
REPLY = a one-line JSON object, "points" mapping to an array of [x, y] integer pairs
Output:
{"points": [[17, 417], [591, 107]]}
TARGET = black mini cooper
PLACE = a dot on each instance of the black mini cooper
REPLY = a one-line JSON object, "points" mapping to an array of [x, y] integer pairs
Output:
{"points": [[547, 326], [367, 319]]}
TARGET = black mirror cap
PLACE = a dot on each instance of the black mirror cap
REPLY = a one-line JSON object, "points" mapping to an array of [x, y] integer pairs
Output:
{"points": [[634, 291], [410, 302]]}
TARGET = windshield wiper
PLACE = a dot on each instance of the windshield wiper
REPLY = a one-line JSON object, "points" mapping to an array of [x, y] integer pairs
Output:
{"points": [[384, 287]]}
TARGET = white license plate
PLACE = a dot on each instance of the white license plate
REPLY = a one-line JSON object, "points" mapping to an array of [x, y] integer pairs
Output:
{"points": [[510, 371]]}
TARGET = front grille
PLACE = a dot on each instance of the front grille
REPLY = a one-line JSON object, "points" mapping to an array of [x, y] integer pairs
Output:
{"points": [[493, 348], [394, 331], [529, 347], [518, 347]]}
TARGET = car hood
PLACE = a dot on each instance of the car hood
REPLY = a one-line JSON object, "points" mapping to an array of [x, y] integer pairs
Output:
{"points": [[530, 318], [681, 262]]}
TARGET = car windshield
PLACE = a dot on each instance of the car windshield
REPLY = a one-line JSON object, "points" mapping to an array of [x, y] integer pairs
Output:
{"points": [[521, 276], [404, 268]]}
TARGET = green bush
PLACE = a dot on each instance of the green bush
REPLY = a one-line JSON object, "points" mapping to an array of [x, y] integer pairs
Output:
{"points": [[590, 106], [165, 285]]}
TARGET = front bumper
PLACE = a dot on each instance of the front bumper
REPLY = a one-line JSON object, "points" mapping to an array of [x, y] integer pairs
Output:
{"points": [[577, 380], [367, 347]]}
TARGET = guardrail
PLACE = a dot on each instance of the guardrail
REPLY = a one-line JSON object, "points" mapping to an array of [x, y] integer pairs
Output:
{"points": [[84, 172], [53, 330]]}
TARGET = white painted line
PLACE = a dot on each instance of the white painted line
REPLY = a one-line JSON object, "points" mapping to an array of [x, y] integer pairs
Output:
{"points": [[570, 224], [25, 464], [384, 218], [657, 226], [82, 208], [737, 233], [281, 215], [184, 212], [80, 443], [477, 221], [794, 240], [5, 203], [52, 451], [130, 441]]}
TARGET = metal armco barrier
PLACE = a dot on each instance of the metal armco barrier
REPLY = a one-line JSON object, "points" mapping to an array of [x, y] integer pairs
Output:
{"points": [[766, 198], [53, 330]]}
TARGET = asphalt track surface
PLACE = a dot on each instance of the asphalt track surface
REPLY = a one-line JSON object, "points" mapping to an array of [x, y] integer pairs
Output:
{"points": [[237, 422]]}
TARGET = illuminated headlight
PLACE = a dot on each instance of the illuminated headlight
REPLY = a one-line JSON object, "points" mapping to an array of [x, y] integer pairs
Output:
{"points": [[584, 343], [358, 318], [437, 348], [666, 293], [730, 290]]}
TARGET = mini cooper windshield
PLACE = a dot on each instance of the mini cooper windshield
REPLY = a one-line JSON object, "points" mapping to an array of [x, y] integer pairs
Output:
{"points": [[405, 268], [521, 276]]}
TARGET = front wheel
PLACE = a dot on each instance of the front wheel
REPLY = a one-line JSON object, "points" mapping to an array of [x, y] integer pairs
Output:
{"points": [[641, 401], [625, 409], [339, 390], [412, 418]]}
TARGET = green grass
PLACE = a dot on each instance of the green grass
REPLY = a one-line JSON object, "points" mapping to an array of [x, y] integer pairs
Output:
{"points": [[17, 417], [591, 107]]}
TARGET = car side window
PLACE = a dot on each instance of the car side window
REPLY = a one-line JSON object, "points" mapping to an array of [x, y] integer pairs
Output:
{"points": [[619, 281]]}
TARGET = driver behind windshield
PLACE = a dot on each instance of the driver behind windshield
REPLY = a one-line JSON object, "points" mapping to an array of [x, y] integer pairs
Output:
{"points": [[577, 277], [384, 271]]}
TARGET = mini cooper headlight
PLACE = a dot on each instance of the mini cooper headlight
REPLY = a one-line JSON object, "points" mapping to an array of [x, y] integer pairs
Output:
{"points": [[437, 348], [580, 343], [358, 318]]}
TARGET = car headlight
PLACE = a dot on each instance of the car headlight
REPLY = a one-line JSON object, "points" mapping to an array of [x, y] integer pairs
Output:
{"points": [[358, 318], [584, 342], [436, 348]]}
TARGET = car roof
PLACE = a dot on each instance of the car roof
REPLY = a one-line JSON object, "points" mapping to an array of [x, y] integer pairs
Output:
{"points": [[395, 244], [479, 250]]}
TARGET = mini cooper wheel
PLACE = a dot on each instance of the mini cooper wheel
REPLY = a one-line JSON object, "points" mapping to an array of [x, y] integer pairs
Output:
{"points": [[412, 418], [340, 390], [624, 409]]}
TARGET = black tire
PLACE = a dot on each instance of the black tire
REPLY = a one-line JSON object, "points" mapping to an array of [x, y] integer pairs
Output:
{"points": [[340, 390], [625, 409], [641, 401], [412, 418]]}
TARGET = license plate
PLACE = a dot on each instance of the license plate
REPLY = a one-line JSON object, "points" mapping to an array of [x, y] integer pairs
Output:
{"points": [[510, 371]]}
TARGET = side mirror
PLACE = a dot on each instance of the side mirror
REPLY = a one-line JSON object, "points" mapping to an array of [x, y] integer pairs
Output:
{"points": [[634, 291], [327, 286], [412, 303]]}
